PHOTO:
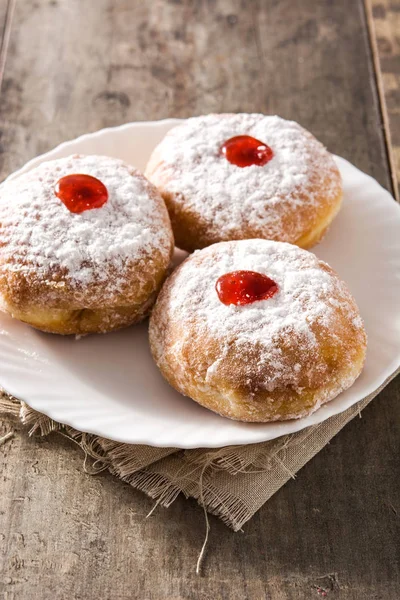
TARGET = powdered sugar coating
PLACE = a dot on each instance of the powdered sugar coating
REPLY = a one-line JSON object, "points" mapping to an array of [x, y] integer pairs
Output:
{"points": [[280, 200], [307, 336], [45, 242]]}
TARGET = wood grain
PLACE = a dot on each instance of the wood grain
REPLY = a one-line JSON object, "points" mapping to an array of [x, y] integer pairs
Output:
{"points": [[384, 24], [6, 16], [80, 65]]}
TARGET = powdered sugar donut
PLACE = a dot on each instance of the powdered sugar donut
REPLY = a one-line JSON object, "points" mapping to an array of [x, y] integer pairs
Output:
{"points": [[85, 242], [241, 176], [257, 330]]}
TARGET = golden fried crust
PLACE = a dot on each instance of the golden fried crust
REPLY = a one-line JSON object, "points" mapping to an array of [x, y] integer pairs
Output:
{"points": [[54, 303], [82, 321], [191, 232], [230, 378], [303, 223]]}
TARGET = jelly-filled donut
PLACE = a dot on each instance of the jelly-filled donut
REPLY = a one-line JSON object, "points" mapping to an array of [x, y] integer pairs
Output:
{"points": [[240, 176], [85, 242], [257, 330]]}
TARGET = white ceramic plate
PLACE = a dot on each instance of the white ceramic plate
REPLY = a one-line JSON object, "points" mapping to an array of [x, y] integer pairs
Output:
{"points": [[108, 384]]}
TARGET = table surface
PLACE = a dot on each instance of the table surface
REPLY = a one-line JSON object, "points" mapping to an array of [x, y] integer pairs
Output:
{"points": [[70, 67]]}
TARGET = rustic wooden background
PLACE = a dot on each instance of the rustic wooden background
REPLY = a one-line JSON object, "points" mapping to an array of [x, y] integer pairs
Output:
{"points": [[73, 66]]}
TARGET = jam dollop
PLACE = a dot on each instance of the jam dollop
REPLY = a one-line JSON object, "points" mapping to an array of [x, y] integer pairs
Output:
{"points": [[81, 192], [245, 287], [244, 151]]}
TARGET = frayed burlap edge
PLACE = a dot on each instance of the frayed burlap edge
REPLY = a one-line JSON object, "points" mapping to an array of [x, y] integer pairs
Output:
{"points": [[231, 482]]}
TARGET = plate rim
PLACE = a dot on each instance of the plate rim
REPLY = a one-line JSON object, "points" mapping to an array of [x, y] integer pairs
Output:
{"points": [[33, 162], [372, 390]]}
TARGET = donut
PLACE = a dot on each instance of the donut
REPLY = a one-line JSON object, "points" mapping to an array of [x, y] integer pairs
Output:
{"points": [[257, 330], [241, 176], [85, 243]]}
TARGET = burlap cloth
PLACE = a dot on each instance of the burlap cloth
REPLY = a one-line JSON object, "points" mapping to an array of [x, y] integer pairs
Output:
{"points": [[231, 482]]}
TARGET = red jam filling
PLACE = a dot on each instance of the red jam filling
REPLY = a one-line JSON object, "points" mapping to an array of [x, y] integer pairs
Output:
{"points": [[244, 287], [81, 192], [244, 151]]}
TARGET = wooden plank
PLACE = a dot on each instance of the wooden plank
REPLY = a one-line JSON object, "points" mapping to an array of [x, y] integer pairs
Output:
{"points": [[384, 25], [3, 14], [6, 16], [77, 66]]}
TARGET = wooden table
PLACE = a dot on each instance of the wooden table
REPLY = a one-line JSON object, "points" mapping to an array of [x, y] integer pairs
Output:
{"points": [[74, 66]]}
